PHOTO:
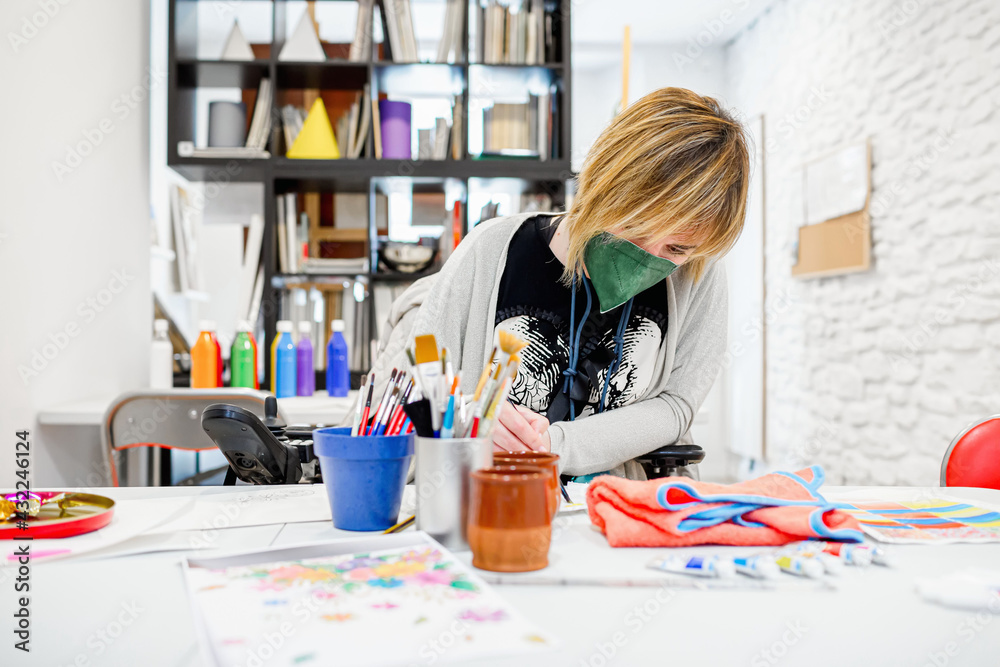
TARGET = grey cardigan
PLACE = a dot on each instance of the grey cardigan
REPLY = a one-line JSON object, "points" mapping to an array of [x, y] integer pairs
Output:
{"points": [[458, 306]]}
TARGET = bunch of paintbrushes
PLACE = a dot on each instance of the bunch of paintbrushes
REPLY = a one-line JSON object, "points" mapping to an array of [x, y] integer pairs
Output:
{"points": [[389, 417], [427, 397], [444, 411]]}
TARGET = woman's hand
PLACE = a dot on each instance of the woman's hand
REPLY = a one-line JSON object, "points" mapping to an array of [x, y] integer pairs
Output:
{"points": [[518, 429]]}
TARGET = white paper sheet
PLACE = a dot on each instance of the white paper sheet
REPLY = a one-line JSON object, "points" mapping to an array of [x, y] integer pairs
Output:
{"points": [[253, 506], [837, 185], [396, 599]]}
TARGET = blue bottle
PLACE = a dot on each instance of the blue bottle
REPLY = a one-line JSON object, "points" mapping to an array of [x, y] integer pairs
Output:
{"points": [[338, 374], [284, 361]]}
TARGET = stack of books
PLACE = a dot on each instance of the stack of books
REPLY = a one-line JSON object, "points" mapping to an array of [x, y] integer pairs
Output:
{"points": [[509, 35], [521, 130]]}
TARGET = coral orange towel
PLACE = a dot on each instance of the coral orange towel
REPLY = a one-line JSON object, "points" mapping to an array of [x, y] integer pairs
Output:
{"points": [[774, 509]]}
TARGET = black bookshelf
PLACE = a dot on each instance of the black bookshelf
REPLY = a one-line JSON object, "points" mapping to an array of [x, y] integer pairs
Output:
{"points": [[279, 174]]}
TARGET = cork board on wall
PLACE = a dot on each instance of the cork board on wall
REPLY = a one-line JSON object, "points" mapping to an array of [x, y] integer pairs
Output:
{"points": [[836, 238]]}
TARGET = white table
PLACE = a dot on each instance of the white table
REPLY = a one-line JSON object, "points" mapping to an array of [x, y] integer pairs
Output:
{"points": [[316, 409], [875, 618]]}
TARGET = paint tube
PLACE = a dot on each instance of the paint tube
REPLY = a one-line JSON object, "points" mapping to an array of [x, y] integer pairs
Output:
{"points": [[757, 567], [698, 566]]}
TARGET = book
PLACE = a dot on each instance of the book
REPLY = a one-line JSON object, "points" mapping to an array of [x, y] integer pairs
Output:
{"points": [[251, 263], [253, 313], [457, 152], [407, 34], [236, 47], [450, 45], [442, 133], [314, 265], [350, 210], [303, 45], [515, 35], [187, 149], [376, 126], [353, 118], [399, 23], [362, 134], [292, 118], [362, 44], [282, 235], [291, 219], [260, 125]]}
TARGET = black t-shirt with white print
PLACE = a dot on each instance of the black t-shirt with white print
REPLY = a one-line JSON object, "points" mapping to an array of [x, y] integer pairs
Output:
{"points": [[534, 305]]}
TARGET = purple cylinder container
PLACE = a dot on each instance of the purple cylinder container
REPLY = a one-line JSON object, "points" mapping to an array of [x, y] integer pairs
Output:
{"points": [[395, 129], [305, 370]]}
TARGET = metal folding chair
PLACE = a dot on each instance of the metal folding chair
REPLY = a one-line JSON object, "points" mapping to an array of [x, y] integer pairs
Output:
{"points": [[973, 457], [167, 418]]}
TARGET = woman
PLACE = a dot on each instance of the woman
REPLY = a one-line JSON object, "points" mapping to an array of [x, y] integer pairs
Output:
{"points": [[622, 298]]}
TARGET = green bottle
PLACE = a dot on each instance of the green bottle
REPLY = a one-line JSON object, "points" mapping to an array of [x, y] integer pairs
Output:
{"points": [[243, 358]]}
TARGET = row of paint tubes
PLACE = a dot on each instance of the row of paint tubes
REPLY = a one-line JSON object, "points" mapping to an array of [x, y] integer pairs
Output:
{"points": [[810, 559]]}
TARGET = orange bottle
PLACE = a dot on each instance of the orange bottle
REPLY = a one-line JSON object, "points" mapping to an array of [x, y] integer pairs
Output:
{"points": [[205, 358]]}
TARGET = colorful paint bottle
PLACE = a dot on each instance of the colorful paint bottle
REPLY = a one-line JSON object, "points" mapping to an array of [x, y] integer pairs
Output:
{"points": [[306, 371], [243, 358], [205, 358], [283, 361], [338, 373]]}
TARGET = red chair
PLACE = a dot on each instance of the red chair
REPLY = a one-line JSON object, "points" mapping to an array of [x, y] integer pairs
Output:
{"points": [[973, 458]]}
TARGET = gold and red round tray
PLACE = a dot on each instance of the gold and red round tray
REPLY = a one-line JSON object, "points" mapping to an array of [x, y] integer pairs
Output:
{"points": [[59, 515]]}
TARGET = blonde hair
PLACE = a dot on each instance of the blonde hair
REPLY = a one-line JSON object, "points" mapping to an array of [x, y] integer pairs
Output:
{"points": [[671, 163]]}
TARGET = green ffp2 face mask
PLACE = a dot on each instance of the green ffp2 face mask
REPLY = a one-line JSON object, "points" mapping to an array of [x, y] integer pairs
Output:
{"points": [[619, 269]]}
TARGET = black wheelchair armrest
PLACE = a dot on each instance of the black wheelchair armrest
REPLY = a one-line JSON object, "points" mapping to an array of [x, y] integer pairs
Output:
{"points": [[664, 461]]}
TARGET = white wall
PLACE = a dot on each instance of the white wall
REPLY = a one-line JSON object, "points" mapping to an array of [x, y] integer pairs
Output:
{"points": [[872, 374], [74, 239], [597, 81]]}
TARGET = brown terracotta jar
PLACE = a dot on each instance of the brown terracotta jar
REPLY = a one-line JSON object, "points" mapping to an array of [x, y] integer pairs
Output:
{"points": [[510, 520], [545, 460]]}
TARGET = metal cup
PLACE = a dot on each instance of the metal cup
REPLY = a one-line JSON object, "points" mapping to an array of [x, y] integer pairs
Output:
{"points": [[442, 475]]}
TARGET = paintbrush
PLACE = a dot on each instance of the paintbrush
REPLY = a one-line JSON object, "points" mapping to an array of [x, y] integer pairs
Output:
{"points": [[382, 423], [383, 401], [427, 362], [363, 424], [485, 375], [419, 413], [357, 408], [402, 525]]}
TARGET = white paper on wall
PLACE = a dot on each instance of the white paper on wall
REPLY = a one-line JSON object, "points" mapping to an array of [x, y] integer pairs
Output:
{"points": [[837, 184]]}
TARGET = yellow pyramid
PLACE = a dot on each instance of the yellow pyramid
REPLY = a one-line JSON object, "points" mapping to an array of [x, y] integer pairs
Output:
{"points": [[315, 140]]}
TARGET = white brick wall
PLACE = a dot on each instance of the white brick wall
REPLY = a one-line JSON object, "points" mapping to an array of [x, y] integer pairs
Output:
{"points": [[872, 374]]}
